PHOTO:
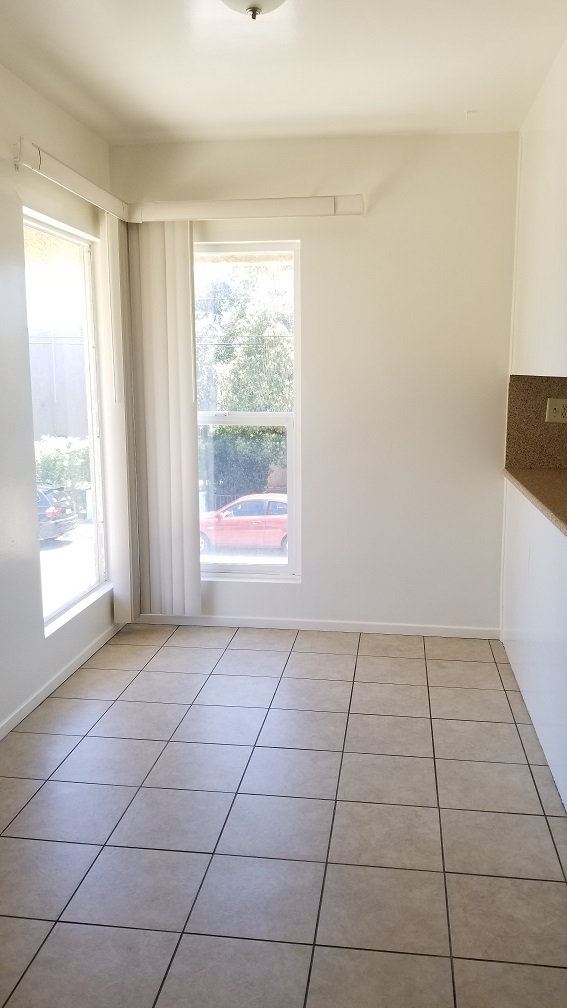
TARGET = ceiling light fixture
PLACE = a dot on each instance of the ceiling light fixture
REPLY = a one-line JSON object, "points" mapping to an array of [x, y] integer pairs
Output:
{"points": [[253, 9]]}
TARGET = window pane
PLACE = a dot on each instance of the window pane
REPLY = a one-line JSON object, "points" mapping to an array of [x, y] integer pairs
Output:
{"points": [[59, 325], [244, 331], [242, 478]]}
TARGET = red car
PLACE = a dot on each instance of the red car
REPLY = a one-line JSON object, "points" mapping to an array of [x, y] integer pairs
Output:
{"points": [[258, 521]]}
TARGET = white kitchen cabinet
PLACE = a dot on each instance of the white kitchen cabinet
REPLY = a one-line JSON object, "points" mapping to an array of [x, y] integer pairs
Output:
{"points": [[534, 623]]}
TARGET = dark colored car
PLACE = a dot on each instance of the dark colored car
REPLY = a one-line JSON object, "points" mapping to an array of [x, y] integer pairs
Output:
{"points": [[55, 511], [258, 521]]}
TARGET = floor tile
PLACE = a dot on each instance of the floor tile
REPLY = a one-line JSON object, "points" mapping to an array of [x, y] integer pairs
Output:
{"points": [[487, 741], [342, 978], [109, 761], [76, 813], [508, 678], [238, 691], [391, 645], [397, 780], [263, 640], [312, 694], [262, 826], [166, 819], [235, 973], [486, 787], [181, 659], [309, 665], [495, 843], [559, 829], [23, 755], [384, 908], [375, 698], [14, 793], [252, 663], [506, 985], [498, 651], [37, 878], [130, 657], [19, 941], [388, 836], [130, 719], [394, 736], [548, 793], [165, 687], [508, 919], [199, 766], [458, 649], [534, 752], [327, 642], [95, 684], [229, 725], [467, 674], [63, 717], [299, 729], [519, 709], [401, 671], [143, 633], [96, 967], [469, 704], [292, 773], [246, 897], [138, 888], [202, 636]]}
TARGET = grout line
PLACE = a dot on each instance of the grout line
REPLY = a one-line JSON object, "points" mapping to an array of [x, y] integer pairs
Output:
{"points": [[561, 865], [253, 748], [102, 847], [325, 870], [443, 862]]}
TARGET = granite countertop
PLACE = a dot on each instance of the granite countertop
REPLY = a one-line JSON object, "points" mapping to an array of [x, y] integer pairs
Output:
{"points": [[546, 488]]}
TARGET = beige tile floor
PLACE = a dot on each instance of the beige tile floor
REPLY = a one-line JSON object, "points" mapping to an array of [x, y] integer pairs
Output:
{"points": [[244, 818]]}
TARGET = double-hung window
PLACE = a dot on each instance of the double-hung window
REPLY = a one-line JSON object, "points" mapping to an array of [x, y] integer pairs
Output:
{"points": [[246, 355]]}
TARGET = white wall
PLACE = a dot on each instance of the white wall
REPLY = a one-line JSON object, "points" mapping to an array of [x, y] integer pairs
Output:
{"points": [[534, 628], [30, 662], [405, 319], [540, 311]]}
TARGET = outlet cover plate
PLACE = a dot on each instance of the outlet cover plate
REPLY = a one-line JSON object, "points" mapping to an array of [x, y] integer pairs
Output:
{"points": [[556, 411]]}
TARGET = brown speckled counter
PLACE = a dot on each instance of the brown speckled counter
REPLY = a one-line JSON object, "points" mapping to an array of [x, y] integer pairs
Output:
{"points": [[546, 488]]}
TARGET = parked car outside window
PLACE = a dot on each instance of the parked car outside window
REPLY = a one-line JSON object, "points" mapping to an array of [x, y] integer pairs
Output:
{"points": [[55, 511], [258, 521]]}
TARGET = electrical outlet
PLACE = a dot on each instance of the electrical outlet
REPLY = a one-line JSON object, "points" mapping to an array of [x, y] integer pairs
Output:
{"points": [[556, 411]]}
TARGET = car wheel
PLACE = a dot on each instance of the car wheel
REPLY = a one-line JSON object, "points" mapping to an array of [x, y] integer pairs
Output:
{"points": [[204, 544], [283, 546]]}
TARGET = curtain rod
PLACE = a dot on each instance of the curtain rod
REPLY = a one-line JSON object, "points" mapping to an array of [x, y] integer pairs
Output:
{"points": [[33, 157]]}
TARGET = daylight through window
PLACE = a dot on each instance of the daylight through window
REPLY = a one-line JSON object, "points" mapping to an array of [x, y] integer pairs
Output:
{"points": [[63, 376], [245, 349]]}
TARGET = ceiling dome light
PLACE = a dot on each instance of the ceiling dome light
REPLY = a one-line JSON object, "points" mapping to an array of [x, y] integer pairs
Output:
{"points": [[253, 7]]}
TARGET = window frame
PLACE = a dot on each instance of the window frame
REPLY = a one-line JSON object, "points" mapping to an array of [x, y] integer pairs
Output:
{"points": [[288, 420], [89, 245]]}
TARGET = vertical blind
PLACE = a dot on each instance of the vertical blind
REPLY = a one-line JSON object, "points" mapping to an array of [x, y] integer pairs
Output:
{"points": [[165, 417]]}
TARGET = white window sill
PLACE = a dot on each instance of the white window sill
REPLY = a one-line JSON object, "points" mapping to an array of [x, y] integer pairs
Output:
{"points": [[268, 577], [55, 622]]}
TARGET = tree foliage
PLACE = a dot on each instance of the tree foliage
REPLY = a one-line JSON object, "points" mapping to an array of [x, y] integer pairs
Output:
{"points": [[234, 461], [244, 330], [244, 327], [63, 462]]}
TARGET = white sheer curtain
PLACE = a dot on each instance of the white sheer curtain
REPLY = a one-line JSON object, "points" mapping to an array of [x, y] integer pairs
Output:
{"points": [[165, 418]]}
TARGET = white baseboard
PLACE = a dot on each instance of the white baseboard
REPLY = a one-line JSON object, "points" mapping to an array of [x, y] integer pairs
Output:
{"points": [[26, 708], [354, 626]]}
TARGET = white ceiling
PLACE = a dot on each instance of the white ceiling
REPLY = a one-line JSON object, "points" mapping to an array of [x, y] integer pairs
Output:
{"points": [[145, 70]]}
